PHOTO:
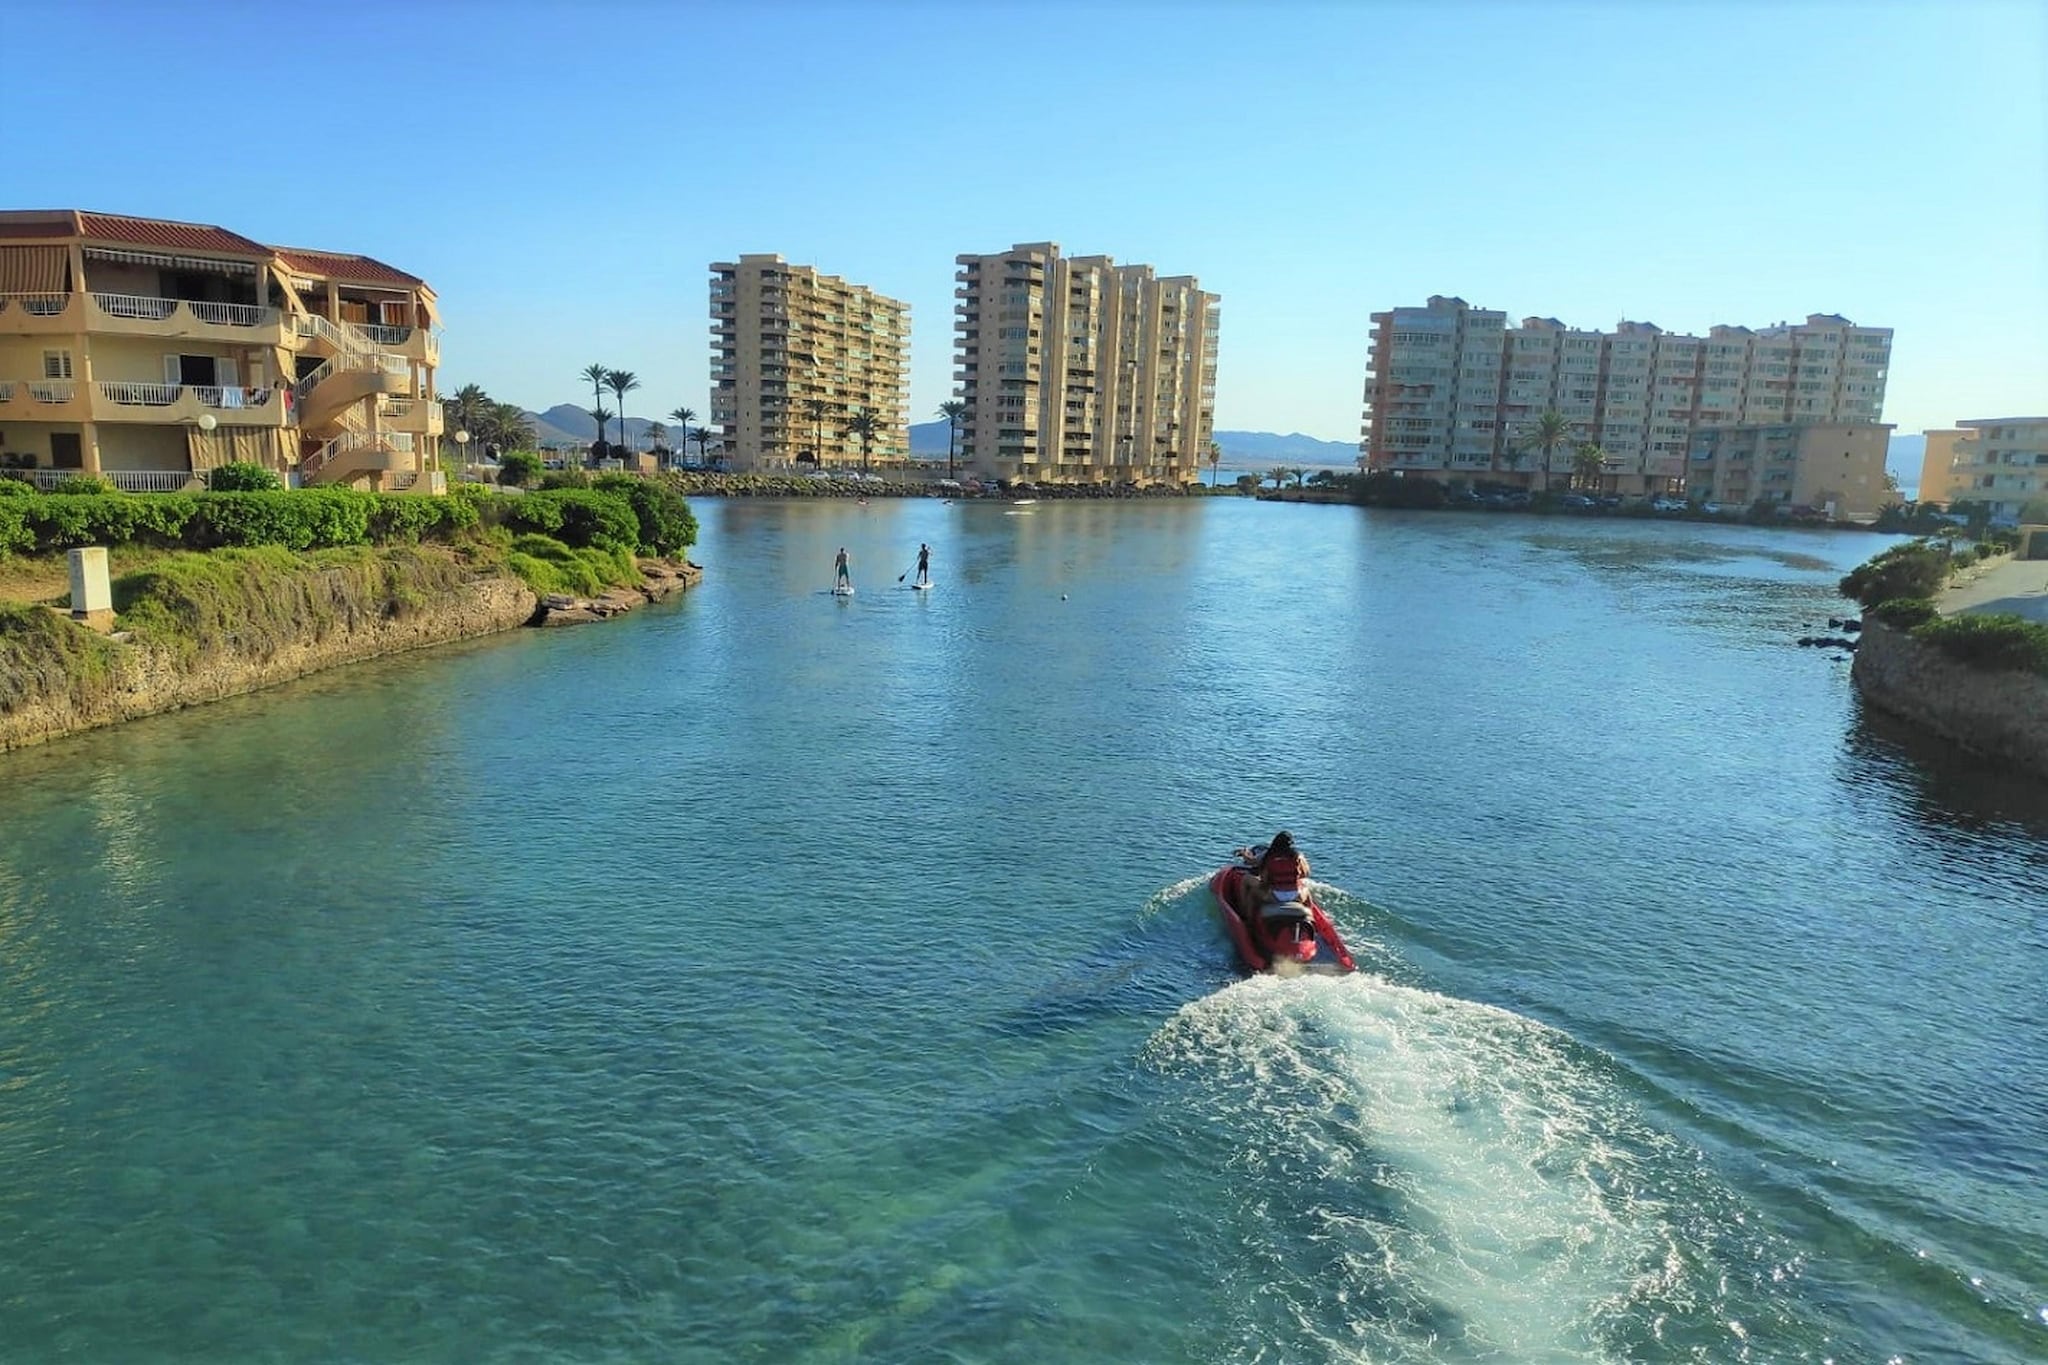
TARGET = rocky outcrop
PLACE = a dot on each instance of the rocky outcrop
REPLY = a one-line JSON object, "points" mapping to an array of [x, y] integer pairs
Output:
{"points": [[2000, 715], [660, 580], [129, 679]]}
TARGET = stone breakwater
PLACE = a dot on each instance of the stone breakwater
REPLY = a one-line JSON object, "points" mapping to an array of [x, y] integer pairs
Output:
{"points": [[2001, 715], [132, 680]]}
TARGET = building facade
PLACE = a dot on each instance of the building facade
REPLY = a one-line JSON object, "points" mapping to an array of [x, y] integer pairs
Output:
{"points": [[148, 352], [797, 358], [1833, 467], [2004, 465], [1947, 447], [1452, 390], [1075, 369]]}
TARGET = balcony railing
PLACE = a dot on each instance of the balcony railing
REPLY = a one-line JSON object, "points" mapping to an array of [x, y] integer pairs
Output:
{"points": [[383, 335], [52, 390], [135, 306], [36, 305], [149, 308]]}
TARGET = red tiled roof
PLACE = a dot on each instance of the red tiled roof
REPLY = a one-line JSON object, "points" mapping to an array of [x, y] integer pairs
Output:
{"points": [[344, 266], [159, 232]]}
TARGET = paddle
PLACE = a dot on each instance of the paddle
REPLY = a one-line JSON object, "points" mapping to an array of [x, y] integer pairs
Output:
{"points": [[905, 574]]}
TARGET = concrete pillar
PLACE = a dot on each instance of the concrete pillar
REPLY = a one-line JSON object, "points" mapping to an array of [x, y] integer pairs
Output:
{"points": [[89, 446], [92, 592]]}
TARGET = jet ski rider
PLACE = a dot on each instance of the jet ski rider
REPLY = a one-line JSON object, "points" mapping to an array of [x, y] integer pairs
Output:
{"points": [[1273, 872]]}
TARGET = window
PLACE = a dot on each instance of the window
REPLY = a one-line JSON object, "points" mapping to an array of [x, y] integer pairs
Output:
{"points": [[56, 364]]}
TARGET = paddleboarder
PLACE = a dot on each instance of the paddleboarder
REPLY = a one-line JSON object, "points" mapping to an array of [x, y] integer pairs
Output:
{"points": [[842, 572]]}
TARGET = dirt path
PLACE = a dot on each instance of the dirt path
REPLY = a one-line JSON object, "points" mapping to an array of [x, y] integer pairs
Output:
{"points": [[2019, 586]]}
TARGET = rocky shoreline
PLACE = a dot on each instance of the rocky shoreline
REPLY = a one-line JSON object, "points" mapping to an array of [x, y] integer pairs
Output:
{"points": [[662, 581]]}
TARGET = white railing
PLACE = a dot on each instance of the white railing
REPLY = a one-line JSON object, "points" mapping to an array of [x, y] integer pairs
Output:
{"points": [[52, 390], [6, 390], [148, 480], [388, 406], [383, 335], [403, 479], [144, 395], [135, 306], [230, 397], [232, 314], [313, 379], [37, 305]]}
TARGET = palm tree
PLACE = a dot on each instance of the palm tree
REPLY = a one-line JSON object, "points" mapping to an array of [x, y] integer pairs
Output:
{"points": [[600, 415], [952, 411], [1512, 456], [657, 439], [1589, 462], [1551, 431], [1215, 458], [596, 375], [864, 425], [702, 436], [465, 411], [817, 409], [1278, 474], [1298, 472], [622, 382]]}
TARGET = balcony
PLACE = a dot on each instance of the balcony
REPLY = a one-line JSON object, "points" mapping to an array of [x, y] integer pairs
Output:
{"points": [[244, 324], [231, 405], [41, 314], [44, 400]]}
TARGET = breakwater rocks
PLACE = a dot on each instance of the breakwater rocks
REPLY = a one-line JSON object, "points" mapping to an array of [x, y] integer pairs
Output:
{"points": [[799, 486], [2000, 714], [662, 581]]}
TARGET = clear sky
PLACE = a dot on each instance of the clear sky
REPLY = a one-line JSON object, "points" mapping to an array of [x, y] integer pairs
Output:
{"points": [[562, 175]]}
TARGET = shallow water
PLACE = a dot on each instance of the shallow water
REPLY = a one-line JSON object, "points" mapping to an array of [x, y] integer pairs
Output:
{"points": [[778, 977]]}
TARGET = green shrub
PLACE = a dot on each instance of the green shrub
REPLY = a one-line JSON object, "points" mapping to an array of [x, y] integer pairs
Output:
{"points": [[578, 518], [306, 519], [1998, 642], [243, 478], [108, 519], [84, 485], [548, 566], [520, 468], [16, 488], [15, 536], [1905, 613], [667, 526], [1915, 569], [565, 478], [406, 518]]}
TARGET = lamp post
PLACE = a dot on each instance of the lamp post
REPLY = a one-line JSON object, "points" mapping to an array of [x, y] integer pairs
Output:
{"points": [[462, 451]]}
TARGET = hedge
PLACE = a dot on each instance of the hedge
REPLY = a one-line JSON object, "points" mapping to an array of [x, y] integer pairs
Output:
{"points": [[1990, 641], [307, 519], [1906, 613], [580, 519], [1915, 569]]}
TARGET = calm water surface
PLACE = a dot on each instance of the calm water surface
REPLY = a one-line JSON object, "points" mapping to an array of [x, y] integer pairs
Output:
{"points": [[776, 978]]}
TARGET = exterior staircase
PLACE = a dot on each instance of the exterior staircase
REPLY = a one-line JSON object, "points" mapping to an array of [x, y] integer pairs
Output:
{"points": [[339, 441]]}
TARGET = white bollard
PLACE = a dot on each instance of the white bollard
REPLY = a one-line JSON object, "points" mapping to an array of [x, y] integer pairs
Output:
{"points": [[92, 591]]}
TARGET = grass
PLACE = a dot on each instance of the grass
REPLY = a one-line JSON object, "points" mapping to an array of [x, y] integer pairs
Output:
{"points": [[47, 578], [43, 655]]}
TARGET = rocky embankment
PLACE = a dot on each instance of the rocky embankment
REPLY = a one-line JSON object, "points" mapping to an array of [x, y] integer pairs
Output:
{"points": [[1997, 714], [268, 626], [663, 581]]}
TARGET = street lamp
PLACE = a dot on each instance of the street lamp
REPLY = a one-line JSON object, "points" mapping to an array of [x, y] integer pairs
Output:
{"points": [[462, 448]]}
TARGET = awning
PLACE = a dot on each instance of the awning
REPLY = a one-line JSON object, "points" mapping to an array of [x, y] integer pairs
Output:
{"points": [[157, 258], [32, 269]]}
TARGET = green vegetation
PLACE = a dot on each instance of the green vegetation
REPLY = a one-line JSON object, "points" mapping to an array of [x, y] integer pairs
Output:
{"points": [[1905, 613], [243, 478], [520, 469], [1916, 569], [1987, 641], [548, 566], [84, 485], [42, 655], [667, 526]]}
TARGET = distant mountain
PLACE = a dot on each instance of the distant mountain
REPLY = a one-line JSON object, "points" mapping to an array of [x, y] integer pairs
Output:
{"points": [[566, 424], [1240, 448]]}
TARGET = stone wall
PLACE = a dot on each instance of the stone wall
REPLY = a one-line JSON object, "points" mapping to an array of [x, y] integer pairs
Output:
{"points": [[142, 682], [2002, 716]]}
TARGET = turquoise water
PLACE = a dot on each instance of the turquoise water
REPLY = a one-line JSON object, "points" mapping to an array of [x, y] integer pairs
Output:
{"points": [[774, 977]]}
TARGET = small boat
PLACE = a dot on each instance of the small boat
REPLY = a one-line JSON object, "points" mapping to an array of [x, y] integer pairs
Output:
{"points": [[1283, 938]]}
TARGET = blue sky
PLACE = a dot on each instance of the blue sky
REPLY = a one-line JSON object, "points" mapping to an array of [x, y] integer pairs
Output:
{"points": [[563, 175]]}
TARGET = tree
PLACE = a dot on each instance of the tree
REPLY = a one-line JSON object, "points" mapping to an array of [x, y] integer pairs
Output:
{"points": [[520, 469], [597, 374], [817, 409], [505, 425], [1589, 463], [682, 417], [464, 412], [622, 382], [1215, 458], [952, 411], [600, 415], [1297, 472], [702, 436], [1512, 455], [2034, 512], [1278, 474], [1551, 431], [864, 425], [657, 438]]}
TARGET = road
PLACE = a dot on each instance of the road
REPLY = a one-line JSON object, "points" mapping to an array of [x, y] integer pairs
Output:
{"points": [[2019, 586]]}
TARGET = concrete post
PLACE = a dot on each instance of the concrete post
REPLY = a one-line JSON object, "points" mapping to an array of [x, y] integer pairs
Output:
{"points": [[92, 592]]}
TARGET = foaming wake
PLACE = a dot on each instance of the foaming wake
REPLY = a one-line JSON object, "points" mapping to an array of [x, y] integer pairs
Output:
{"points": [[1423, 1177]]}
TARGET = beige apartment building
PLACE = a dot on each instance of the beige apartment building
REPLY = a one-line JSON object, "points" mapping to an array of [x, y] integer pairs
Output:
{"points": [[1075, 369], [1831, 467], [149, 351], [1452, 390], [2004, 464], [1947, 447], [797, 357]]}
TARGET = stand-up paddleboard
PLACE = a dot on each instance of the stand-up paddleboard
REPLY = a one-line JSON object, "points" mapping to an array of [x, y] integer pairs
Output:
{"points": [[920, 587], [842, 592]]}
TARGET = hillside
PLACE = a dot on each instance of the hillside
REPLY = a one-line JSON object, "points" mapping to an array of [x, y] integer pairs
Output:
{"points": [[1240, 448]]}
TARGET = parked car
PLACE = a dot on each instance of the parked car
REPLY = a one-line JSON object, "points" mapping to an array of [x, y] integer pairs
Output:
{"points": [[1667, 504], [1575, 502]]}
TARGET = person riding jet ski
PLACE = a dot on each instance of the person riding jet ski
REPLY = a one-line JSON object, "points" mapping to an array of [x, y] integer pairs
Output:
{"points": [[1274, 873]]}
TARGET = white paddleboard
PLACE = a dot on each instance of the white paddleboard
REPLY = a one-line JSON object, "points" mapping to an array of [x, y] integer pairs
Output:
{"points": [[842, 592], [920, 587]]}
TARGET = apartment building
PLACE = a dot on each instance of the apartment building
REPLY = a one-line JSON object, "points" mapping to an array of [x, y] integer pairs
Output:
{"points": [[148, 352], [1452, 390], [1834, 467], [1075, 369], [1946, 448], [797, 358], [2004, 464]]}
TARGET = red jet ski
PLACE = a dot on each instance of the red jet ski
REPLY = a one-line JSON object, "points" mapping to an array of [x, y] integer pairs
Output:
{"points": [[1283, 937]]}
